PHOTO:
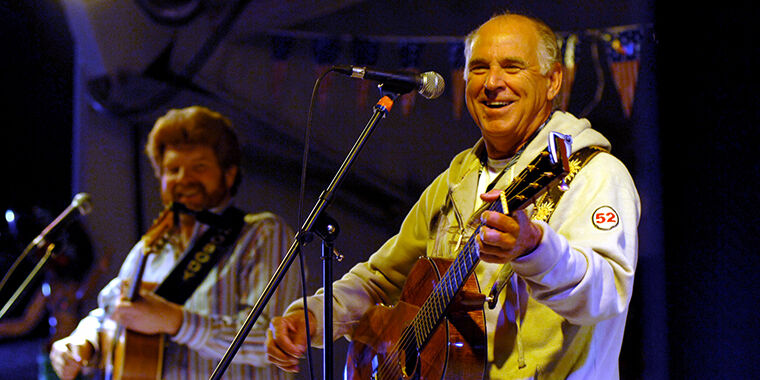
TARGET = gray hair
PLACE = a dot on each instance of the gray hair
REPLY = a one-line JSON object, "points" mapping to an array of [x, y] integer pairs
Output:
{"points": [[549, 51]]}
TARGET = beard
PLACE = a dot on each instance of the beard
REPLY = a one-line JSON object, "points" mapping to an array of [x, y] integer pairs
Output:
{"points": [[201, 199], [197, 197]]}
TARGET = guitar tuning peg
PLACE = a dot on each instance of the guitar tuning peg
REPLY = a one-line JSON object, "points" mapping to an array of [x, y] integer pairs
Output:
{"points": [[563, 185]]}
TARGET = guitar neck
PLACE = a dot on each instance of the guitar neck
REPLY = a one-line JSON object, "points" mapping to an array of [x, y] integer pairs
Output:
{"points": [[134, 286], [152, 239], [435, 307], [546, 170]]}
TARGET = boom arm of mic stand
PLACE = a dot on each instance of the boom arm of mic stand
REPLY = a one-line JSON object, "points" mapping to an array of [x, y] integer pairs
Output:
{"points": [[381, 109], [48, 253]]}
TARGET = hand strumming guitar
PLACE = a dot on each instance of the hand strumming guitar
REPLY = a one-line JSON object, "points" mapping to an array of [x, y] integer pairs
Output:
{"points": [[69, 355], [286, 339]]}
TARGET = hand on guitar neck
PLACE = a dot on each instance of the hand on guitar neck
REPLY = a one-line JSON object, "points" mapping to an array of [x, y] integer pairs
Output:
{"points": [[506, 237], [148, 314]]}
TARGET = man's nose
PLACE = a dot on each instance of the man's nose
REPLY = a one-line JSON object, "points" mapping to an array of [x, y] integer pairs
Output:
{"points": [[494, 81], [184, 175]]}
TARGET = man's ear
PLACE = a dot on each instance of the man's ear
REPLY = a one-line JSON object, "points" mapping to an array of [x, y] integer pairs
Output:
{"points": [[555, 81], [229, 175]]}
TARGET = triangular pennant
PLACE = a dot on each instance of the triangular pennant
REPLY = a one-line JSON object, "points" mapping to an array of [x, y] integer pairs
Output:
{"points": [[409, 54], [326, 50], [623, 53], [365, 54], [568, 66], [456, 62], [280, 46]]}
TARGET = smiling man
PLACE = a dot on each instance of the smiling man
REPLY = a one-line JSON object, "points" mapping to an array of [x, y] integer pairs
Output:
{"points": [[510, 87], [563, 267], [196, 157]]}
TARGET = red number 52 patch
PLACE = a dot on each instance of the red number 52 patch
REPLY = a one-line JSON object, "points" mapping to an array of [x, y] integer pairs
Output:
{"points": [[605, 218]]}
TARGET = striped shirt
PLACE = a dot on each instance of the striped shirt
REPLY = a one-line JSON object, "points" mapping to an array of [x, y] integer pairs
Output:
{"points": [[217, 309]]}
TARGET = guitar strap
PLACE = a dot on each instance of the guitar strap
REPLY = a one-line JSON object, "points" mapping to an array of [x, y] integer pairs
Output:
{"points": [[198, 260], [545, 206]]}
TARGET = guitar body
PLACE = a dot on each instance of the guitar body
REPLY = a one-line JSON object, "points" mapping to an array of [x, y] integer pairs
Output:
{"points": [[129, 355], [437, 330], [455, 350], [126, 354]]}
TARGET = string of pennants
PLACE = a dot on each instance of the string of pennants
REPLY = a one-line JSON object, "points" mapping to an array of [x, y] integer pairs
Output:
{"points": [[621, 44]]}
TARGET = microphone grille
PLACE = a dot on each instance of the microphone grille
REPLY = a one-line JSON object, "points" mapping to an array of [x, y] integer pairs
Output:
{"points": [[432, 85]]}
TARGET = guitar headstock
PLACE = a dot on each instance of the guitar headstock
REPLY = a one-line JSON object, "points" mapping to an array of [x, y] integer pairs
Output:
{"points": [[547, 169], [154, 237]]}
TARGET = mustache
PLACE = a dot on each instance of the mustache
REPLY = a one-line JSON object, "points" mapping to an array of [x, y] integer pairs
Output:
{"points": [[179, 190]]}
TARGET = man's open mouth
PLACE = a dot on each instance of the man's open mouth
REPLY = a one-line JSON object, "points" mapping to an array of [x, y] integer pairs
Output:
{"points": [[497, 104]]}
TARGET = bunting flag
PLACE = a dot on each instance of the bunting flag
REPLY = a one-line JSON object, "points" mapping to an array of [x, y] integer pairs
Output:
{"points": [[622, 43], [365, 54], [409, 54], [623, 53], [326, 50], [568, 66], [456, 62], [280, 46]]}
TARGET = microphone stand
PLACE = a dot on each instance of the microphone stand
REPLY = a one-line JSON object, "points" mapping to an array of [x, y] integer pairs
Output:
{"points": [[327, 229], [311, 225], [81, 202], [31, 276]]}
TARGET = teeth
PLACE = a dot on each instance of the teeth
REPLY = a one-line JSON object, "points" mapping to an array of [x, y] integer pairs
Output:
{"points": [[496, 104]]}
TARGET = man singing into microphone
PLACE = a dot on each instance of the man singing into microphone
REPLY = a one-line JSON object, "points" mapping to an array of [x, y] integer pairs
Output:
{"points": [[196, 157], [562, 314]]}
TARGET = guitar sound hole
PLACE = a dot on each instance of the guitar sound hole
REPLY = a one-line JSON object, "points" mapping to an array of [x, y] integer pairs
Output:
{"points": [[409, 362]]}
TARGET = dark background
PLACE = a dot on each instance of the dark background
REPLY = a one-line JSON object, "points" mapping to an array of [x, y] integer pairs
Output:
{"points": [[701, 76]]}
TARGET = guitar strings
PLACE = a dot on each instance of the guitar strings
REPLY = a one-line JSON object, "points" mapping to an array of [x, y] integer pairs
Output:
{"points": [[390, 366]]}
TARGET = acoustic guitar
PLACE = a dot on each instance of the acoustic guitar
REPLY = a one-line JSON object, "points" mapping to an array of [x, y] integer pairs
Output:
{"points": [[126, 354], [437, 329]]}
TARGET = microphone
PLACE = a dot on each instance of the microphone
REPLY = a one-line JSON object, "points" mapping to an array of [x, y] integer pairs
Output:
{"points": [[204, 216], [429, 84], [80, 203]]}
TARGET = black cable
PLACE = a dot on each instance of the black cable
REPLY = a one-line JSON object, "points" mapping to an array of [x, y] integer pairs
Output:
{"points": [[302, 190]]}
